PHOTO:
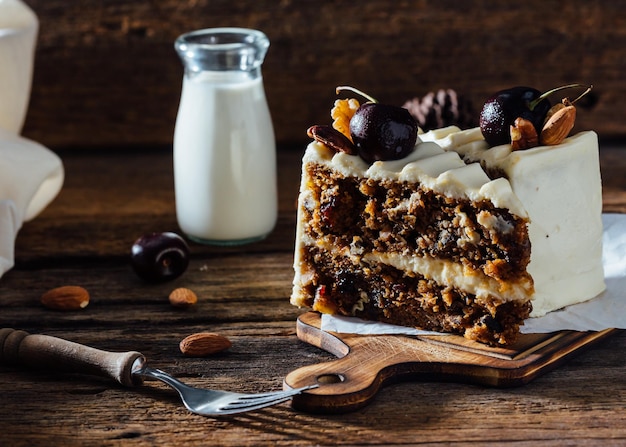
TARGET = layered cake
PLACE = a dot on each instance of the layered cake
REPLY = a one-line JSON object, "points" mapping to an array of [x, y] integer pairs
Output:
{"points": [[442, 230]]}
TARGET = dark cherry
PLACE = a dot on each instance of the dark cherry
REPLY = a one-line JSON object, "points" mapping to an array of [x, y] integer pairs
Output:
{"points": [[383, 132], [158, 257], [505, 106]]}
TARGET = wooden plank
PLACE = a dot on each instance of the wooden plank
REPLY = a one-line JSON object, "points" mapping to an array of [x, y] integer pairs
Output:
{"points": [[106, 73]]}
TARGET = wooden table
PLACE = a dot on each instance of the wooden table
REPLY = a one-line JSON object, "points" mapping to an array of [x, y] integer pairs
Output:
{"points": [[84, 238]]}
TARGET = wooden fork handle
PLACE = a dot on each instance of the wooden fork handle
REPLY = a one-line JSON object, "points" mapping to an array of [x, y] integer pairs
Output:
{"points": [[19, 348]]}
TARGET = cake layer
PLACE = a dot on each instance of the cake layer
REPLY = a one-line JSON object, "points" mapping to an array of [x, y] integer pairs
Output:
{"points": [[378, 291]]}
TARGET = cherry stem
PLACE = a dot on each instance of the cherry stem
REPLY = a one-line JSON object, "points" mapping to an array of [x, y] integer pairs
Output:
{"points": [[358, 92], [582, 94], [543, 96]]}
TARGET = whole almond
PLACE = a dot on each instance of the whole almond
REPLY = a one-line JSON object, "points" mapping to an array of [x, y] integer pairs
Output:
{"points": [[66, 298], [332, 139], [558, 126], [183, 297], [203, 344]]}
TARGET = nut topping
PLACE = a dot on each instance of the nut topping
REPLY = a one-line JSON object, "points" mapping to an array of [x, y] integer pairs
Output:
{"points": [[332, 138], [558, 124], [342, 112], [523, 134]]}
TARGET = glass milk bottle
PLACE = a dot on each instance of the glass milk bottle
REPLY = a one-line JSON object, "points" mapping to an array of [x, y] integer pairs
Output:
{"points": [[18, 35], [224, 146]]}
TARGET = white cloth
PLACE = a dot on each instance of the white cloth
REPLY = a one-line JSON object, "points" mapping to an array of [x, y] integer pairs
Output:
{"points": [[31, 176], [607, 310]]}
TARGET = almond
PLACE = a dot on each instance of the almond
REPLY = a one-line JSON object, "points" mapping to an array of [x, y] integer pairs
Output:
{"points": [[523, 134], [332, 139], [183, 297], [555, 108], [66, 298], [203, 344], [558, 125]]}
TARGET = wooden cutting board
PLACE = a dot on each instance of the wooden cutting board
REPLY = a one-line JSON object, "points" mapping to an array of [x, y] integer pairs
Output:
{"points": [[366, 363]]}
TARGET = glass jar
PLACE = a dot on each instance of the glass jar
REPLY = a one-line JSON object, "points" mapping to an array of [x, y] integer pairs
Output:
{"points": [[224, 145]]}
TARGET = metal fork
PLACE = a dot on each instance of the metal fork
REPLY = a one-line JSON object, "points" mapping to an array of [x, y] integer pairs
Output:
{"points": [[215, 402], [127, 368]]}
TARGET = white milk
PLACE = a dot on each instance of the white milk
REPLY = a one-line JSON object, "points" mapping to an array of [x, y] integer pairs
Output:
{"points": [[18, 34], [224, 159]]}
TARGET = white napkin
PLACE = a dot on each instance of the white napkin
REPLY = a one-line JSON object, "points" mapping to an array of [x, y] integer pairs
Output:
{"points": [[607, 310], [30, 177]]}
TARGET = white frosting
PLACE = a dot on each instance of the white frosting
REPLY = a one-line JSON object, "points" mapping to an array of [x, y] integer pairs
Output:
{"points": [[560, 187]]}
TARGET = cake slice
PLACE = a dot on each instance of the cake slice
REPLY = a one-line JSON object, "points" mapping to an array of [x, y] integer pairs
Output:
{"points": [[453, 237]]}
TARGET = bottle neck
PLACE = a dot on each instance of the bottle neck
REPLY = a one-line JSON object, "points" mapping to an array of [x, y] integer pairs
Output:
{"points": [[223, 50], [223, 76]]}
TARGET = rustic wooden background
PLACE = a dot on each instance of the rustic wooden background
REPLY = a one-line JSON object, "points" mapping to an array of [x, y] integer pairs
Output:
{"points": [[106, 73]]}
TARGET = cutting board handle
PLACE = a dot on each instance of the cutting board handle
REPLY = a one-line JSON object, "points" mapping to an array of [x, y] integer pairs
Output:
{"points": [[366, 363], [19, 348], [345, 384], [364, 366]]}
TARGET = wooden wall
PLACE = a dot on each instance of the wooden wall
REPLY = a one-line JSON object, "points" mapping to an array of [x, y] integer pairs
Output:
{"points": [[106, 74]]}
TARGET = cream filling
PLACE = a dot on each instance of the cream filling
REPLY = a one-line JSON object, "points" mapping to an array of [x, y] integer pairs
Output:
{"points": [[455, 275]]}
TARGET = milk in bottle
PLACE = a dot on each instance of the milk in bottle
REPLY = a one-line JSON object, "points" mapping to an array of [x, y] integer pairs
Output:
{"points": [[224, 146]]}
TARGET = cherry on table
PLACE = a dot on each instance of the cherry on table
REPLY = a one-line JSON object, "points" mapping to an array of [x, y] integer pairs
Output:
{"points": [[157, 257]]}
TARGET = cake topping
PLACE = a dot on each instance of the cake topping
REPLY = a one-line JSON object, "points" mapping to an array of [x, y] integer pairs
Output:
{"points": [[507, 115], [374, 131], [342, 113], [523, 134], [502, 109], [332, 138], [558, 124], [383, 132]]}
